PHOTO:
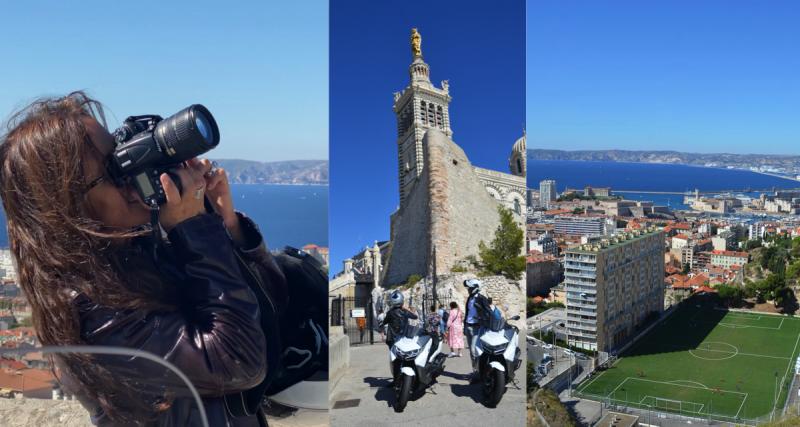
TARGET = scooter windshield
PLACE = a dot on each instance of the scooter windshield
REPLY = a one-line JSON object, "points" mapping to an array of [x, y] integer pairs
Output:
{"points": [[410, 331], [496, 323]]}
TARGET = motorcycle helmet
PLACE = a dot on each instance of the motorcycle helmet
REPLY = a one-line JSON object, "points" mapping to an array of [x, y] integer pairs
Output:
{"points": [[473, 285], [396, 299]]}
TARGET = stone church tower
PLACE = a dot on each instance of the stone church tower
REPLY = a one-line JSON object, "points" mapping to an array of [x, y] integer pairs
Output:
{"points": [[419, 107], [447, 205]]}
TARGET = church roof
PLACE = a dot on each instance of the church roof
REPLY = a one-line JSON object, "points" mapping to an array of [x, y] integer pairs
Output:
{"points": [[519, 146]]}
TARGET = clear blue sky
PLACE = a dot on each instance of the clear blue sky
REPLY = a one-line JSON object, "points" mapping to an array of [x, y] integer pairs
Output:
{"points": [[478, 46], [261, 67], [698, 76]]}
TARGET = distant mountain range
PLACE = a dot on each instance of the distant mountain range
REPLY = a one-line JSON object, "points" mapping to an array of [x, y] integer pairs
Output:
{"points": [[284, 172], [767, 162]]}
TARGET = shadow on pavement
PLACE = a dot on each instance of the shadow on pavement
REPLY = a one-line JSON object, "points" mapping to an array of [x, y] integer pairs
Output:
{"points": [[461, 377], [472, 391], [384, 392]]}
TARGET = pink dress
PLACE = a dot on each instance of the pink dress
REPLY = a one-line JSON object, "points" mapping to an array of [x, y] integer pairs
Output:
{"points": [[455, 326]]}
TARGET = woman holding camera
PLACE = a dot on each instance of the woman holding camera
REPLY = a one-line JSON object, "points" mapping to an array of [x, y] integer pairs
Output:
{"points": [[83, 252]]}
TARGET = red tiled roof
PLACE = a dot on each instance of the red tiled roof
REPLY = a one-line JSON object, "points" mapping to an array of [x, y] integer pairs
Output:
{"points": [[681, 236], [12, 364], [698, 280], [37, 383], [705, 289]]}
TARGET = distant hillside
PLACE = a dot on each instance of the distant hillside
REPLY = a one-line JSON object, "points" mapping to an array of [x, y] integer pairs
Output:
{"points": [[785, 163], [285, 172]]}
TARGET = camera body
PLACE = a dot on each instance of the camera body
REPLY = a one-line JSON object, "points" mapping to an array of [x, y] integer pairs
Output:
{"points": [[147, 146]]}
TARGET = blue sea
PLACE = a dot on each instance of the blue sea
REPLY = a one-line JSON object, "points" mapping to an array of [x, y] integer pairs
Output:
{"points": [[650, 177], [292, 215]]}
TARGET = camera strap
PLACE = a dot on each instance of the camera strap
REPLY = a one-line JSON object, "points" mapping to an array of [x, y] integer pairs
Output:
{"points": [[155, 230]]}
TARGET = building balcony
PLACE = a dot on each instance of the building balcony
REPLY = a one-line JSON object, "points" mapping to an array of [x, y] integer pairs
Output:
{"points": [[578, 266], [579, 274], [579, 287], [574, 334], [578, 312], [578, 304], [581, 258]]}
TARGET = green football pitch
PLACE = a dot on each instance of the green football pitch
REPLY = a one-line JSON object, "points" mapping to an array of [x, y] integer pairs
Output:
{"points": [[705, 362]]}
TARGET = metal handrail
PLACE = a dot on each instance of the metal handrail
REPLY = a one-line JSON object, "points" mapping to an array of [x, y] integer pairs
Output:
{"points": [[116, 351]]}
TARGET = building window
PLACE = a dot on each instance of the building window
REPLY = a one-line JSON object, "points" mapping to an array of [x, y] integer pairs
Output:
{"points": [[517, 207]]}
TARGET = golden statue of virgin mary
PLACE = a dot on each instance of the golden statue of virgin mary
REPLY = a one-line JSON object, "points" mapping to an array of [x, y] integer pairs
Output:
{"points": [[416, 43]]}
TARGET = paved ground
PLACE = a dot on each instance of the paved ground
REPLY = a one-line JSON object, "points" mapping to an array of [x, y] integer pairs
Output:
{"points": [[452, 401], [300, 418]]}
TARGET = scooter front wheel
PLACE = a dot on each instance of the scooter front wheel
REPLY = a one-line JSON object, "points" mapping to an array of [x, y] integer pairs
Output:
{"points": [[403, 392], [494, 387]]}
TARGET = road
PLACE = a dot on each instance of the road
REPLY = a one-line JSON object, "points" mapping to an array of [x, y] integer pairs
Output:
{"points": [[452, 401]]}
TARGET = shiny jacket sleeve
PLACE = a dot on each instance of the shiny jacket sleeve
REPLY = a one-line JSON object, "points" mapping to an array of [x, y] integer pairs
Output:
{"points": [[255, 253], [215, 338]]}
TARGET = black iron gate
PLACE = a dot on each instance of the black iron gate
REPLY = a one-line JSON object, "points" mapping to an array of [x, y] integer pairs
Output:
{"points": [[354, 315], [441, 298]]}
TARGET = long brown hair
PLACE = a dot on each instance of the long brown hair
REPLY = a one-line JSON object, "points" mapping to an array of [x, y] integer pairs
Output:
{"points": [[58, 248]]}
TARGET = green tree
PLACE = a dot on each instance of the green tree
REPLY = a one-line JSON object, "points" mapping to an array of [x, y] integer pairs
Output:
{"points": [[793, 271], [795, 251], [502, 256], [732, 295], [767, 255], [785, 299], [752, 244]]}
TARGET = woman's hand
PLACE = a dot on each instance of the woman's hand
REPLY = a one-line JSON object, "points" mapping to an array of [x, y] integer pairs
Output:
{"points": [[182, 206], [218, 191]]}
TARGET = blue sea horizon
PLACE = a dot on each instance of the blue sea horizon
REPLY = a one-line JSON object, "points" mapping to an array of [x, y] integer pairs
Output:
{"points": [[287, 215], [650, 177]]}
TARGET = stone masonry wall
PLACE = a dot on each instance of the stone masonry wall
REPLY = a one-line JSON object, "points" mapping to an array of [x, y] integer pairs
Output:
{"points": [[506, 294], [409, 251], [448, 213]]}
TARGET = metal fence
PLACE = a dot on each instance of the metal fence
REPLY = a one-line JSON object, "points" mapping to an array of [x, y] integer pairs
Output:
{"points": [[654, 415], [355, 316]]}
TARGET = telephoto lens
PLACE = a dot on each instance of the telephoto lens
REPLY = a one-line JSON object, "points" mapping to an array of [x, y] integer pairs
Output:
{"points": [[187, 133], [148, 146]]}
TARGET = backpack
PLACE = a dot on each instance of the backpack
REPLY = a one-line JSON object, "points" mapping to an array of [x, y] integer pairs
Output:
{"points": [[298, 347], [445, 316], [304, 324]]}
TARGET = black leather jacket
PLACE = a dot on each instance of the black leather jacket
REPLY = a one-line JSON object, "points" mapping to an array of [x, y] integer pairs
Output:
{"points": [[218, 336]]}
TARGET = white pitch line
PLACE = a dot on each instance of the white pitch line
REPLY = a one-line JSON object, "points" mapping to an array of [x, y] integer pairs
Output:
{"points": [[681, 385], [735, 326], [743, 354], [781, 325], [741, 406], [590, 382], [601, 374], [789, 365], [687, 381], [618, 386]]}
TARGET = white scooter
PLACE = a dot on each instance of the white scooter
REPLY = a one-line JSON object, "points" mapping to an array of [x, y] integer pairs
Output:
{"points": [[499, 357], [415, 364]]}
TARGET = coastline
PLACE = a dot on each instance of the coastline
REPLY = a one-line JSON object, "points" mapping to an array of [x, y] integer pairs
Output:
{"points": [[771, 174], [284, 183]]}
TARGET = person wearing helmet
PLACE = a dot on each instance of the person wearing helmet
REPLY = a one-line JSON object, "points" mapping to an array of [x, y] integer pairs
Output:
{"points": [[396, 318], [478, 311]]}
